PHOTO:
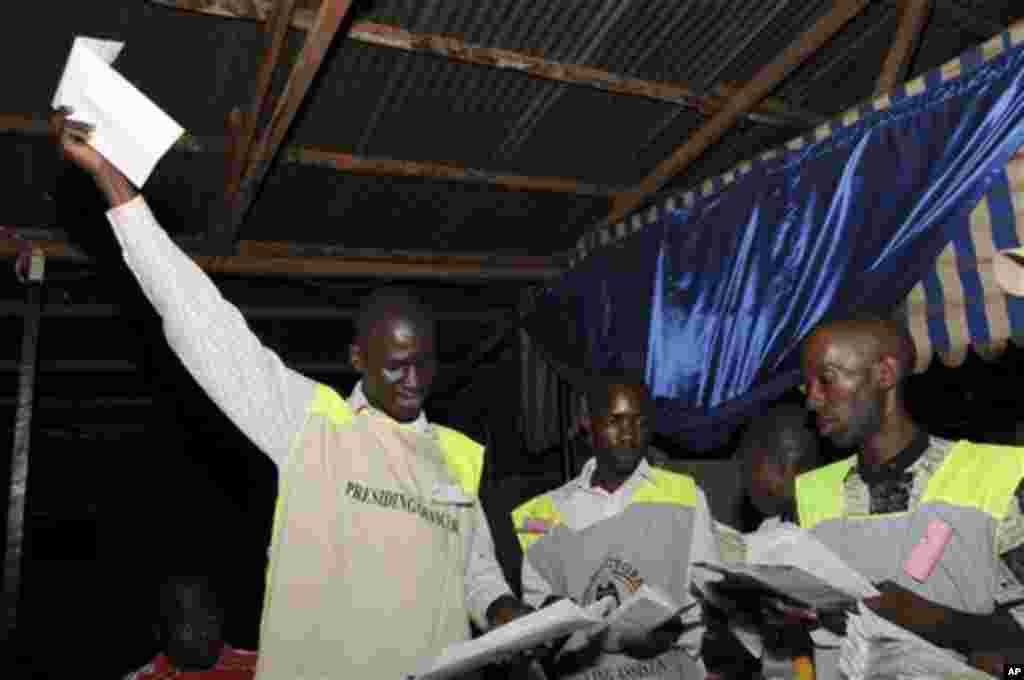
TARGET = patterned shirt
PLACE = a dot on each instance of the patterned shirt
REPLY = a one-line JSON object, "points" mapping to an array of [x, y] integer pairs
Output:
{"points": [[898, 486]]}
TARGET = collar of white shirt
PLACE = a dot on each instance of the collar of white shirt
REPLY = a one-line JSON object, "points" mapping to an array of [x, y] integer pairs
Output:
{"points": [[643, 472], [357, 401]]}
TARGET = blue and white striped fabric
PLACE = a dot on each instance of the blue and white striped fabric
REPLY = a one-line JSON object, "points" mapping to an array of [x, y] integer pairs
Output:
{"points": [[959, 304]]}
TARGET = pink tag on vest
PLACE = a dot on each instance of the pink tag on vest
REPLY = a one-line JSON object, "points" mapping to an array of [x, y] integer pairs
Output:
{"points": [[927, 553], [535, 525]]}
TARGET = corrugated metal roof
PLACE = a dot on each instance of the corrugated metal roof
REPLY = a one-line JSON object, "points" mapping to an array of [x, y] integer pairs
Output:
{"points": [[381, 102]]}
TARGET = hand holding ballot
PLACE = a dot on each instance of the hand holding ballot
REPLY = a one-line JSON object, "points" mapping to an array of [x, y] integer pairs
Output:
{"points": [[106, 126], [129, 130]]}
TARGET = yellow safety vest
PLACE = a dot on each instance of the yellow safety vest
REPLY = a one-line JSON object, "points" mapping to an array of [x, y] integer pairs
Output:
{"points": [[463, 456], [535, 517], [979, 476]]}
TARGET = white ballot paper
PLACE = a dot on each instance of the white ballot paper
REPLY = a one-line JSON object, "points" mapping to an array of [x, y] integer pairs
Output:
{"points": [[789, 561], [639, 614], [876, 649], [131, 131], [643, 611], [560, 619]]}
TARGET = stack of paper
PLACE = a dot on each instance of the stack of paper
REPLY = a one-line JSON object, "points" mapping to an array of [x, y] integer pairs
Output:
{"points": [[876, 649], [130, 131], [789, 562], [550, 623]]}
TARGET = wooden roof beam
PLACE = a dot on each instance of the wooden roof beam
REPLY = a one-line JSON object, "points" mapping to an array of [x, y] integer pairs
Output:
{"points": [[362, 165], [908, 33], [260, 258], [744, 100], [242, 125], [771, 112], [318, 39]]}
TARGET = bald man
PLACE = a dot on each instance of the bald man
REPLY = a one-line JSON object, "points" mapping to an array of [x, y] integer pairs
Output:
{"points": [[380, 552], [938, 525]]}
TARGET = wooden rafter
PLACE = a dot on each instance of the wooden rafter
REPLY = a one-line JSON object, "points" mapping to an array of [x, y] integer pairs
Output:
{"points": [[319, 37], [92, 310], [242, 126], [908, 33], [774, 112], [361, 165], [745, 98], [261, 258]]}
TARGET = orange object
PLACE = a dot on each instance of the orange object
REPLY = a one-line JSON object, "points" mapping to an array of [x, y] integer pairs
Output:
{"points": [[803, 667]]}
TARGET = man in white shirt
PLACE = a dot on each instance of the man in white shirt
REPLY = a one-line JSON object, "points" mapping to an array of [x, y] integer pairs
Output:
{"points": [[618, 525], [380, 552]]}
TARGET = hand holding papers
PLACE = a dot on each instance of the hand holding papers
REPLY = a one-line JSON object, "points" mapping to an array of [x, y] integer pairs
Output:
{"points": [[129, 129], [550, 623], [648, 608], [875, 648], [788, 562]]}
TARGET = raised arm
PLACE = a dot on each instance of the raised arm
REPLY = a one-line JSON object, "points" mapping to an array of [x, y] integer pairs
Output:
{"points": [[248, 381]]}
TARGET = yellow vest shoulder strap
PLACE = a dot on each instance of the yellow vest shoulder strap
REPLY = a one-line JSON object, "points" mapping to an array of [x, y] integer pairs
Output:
{"points": [[981, 476], [327, 403], [464, 456], [667, 487], [819, 493], [534, 518]]}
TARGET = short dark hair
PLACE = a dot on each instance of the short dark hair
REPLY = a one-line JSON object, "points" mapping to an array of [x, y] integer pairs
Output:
{"points": [[387, 300], [887, 337], [598, 382], [784, 431], [181, 592]]}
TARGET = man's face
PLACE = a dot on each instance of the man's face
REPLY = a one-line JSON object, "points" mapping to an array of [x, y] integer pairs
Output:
{"points": [[842, 390], [398, 364], [769, 482], [621, 434]]}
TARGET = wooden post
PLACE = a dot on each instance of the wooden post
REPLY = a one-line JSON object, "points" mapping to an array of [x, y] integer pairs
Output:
{"points": [[19, 455], [911, 23]]}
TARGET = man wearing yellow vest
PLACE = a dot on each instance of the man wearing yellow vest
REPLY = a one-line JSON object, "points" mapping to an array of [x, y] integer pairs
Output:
{"points": [[380, 551], [619, 524], [937, 525]]}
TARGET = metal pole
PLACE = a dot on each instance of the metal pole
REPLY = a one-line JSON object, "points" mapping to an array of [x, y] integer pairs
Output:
{"points": [[563, 424], [19, 453]]}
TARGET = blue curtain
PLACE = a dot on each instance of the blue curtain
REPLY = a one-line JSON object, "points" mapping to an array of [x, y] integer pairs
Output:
{"points": [[713, 298]]}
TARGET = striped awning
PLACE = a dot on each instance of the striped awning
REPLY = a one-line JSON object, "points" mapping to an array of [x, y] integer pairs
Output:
{"points": [[963, 302]]}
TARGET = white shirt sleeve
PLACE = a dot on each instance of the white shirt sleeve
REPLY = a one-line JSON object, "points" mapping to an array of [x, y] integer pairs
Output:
{"points": [[249, 382], [484, 581]]}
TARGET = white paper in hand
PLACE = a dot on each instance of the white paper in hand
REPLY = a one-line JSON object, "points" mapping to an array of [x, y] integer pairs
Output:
{"points": [[131, 131], [560, 619]]}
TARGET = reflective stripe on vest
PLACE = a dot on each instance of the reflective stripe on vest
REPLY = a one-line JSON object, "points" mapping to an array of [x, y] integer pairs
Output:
{"points": [[819, 493], [983, 477], [534, 518]]}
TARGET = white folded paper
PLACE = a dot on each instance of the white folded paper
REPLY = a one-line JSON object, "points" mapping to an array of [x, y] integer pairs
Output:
{"points": [[640, 613], [130, 130], [790, 561], [560, 619]]}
